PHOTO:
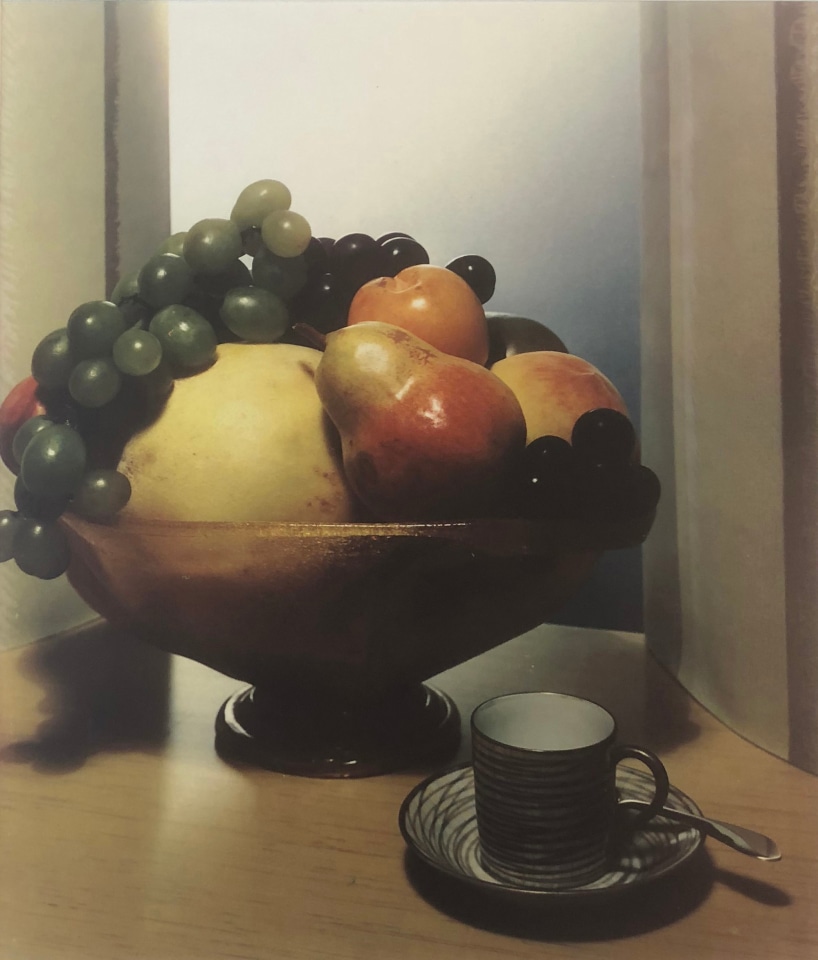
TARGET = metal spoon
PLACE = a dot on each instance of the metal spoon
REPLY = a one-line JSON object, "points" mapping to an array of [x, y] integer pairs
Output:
{"points": [[739, 838]]}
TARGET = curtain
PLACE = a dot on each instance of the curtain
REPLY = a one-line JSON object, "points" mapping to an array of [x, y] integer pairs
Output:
{"points": [[730, 360], [83, 198]]}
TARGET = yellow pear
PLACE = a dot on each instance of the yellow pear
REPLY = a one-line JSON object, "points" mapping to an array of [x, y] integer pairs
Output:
{"points": [[246, 439]]}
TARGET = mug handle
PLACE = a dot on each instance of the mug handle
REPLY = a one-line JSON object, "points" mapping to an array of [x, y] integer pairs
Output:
{"points": [[620, 752]]}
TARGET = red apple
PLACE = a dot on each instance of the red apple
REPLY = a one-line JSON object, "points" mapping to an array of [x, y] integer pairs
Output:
{"points": [[431, 302], [20, 405], [555, 389]]}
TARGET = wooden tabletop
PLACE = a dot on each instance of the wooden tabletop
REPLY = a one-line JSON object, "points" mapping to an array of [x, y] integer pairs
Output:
{"points": [[124, 837]]}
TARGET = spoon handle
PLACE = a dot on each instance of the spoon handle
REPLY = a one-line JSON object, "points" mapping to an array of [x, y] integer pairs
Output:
{"points": [[739, 838]]}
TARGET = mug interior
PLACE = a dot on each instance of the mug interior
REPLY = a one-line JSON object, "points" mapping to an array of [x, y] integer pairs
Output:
{"points": [[543, 721]]}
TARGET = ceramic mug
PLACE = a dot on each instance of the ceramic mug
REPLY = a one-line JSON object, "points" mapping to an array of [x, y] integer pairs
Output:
{"points": [[545, 788]]}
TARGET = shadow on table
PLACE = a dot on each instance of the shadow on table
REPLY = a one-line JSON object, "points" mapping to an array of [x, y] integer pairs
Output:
{"points": [[614, 916], [103, 691]]}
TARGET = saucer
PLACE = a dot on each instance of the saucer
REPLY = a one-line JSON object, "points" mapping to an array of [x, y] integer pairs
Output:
{"points": [[438, 822]]}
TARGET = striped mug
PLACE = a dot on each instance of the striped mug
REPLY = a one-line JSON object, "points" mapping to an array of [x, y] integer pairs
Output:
{"points": [[545, 788]]}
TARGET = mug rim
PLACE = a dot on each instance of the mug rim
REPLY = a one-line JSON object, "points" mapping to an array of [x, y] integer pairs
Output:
{"points": [[541, 751]]}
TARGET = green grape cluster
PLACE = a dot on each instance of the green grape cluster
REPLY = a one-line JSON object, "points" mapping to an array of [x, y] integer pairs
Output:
{"points": [[110, 369], [114, 362]]}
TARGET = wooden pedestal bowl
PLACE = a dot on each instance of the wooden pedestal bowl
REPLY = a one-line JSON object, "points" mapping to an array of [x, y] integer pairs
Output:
{"points": [[335, 626]]}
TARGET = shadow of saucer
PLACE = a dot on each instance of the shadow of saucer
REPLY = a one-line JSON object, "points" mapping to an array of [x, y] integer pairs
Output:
{"points": [[103, 691], [614, 916]]}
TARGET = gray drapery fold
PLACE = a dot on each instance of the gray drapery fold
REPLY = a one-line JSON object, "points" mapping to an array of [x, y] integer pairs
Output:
{"points": [[730, 378], [84, 196]]}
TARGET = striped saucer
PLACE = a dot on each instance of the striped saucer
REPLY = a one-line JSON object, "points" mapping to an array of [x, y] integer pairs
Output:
{"points": [[438, 822]]}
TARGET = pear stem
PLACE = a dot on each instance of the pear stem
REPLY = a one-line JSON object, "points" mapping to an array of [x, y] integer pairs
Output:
{"points": [[313, 337]]}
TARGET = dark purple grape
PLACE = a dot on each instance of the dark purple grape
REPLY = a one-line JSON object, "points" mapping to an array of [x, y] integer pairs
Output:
{"points": [[322, 305], [545, 455], [316, 256], [392, 236], [547, 479], [645, 490], [477, 272], [604, 435], [603, 489], [403, 252], [355, 260]]}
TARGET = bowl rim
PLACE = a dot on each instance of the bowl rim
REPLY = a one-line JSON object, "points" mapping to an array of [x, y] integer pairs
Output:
{"points": [[505, 535]]}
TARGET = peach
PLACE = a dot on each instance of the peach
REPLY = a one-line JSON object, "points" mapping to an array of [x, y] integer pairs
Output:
{"points": [[431, 302], [555, 389], [20, 405]]}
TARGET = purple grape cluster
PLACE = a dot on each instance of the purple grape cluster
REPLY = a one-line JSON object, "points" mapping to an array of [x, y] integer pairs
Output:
{"points": [[596, 475], [337, 269]]}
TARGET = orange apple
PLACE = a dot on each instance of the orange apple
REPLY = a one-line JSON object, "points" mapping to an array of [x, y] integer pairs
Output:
{"points": [[431, 302], [20, 405], [555, 389]]}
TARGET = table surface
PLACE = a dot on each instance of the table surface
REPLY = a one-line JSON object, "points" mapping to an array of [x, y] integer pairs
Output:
{"points": [[124, 836]]}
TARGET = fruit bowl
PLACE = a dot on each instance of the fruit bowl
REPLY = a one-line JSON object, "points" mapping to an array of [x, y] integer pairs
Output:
{"points": [[335, 626]]}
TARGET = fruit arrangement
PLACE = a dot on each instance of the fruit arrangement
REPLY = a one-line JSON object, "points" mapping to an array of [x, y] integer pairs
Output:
{"points": [[252, 371]]}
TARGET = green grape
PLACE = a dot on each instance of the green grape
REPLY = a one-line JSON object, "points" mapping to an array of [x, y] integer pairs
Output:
{"points": [[286, 234], [37, 508], [155, 387], [41, 549], [9, 522], [126, 287], [174, 244], [257, 200], [136, 312], [54, 462], [92, 329], [255, 314], [283, 276], [93, 383], [137, 352], [165, 279], [25, 433], [52, 363], [188, 340], [216, 285], [212, 245], [101, 495]]}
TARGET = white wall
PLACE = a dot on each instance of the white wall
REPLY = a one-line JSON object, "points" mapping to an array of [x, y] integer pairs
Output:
{"points": [[500, 128]]}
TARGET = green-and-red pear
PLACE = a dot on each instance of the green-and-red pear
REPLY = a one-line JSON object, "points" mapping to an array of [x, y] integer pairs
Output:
{"points": [[425, 435]]}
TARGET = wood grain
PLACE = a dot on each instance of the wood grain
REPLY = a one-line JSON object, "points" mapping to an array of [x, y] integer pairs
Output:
{"points": [[123, 835]]}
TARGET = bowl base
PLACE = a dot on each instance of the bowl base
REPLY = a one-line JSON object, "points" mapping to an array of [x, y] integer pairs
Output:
{"points": [[289, 731]]}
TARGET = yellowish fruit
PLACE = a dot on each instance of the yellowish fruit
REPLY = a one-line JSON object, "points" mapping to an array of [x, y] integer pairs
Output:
{"points": [[246, 439], [555, 389]]}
